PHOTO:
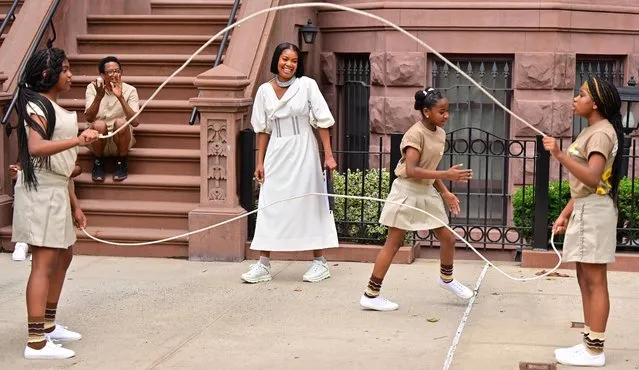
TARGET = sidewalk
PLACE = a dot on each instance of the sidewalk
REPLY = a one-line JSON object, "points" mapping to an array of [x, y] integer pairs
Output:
{"points": [[174, 314]]}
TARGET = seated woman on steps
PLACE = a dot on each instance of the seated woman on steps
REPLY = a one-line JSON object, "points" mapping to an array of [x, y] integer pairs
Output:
{"points": [[45, 206]]}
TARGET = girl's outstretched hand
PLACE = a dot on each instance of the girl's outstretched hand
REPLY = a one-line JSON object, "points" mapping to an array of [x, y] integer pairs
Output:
{"points": [[455, 174]]}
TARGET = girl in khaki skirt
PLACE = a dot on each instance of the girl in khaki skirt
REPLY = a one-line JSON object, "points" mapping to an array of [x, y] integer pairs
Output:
{"points": [[419, 184], [590, 218], [45, 206]]}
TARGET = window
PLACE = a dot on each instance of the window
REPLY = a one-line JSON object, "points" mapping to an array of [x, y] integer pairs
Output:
{"points": [[608, 68], [477, 130], [353, 125]]}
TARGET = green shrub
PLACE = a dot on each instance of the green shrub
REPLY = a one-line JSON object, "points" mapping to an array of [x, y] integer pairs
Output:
{"points": [[364, 214], [524, 206]]}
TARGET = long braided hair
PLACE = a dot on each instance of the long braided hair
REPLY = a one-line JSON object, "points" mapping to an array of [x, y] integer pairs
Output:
{"points": [[41, 74], [606, 97]]}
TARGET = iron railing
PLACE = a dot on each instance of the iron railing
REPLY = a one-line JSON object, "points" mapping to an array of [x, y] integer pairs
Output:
{"points": [[195, 114], [10, 16], [47, 22]]}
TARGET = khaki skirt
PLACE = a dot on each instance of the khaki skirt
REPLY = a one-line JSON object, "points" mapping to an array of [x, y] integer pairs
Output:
{"points": [[591, 235], [42, 217], [424, 197]]}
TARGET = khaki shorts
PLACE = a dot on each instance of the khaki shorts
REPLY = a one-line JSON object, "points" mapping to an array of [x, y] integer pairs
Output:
{"points": [[591, 236], [111, 149], [424, 197]]}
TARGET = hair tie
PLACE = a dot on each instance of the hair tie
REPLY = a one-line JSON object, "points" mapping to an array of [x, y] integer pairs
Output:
{"points": [[429, 90]]}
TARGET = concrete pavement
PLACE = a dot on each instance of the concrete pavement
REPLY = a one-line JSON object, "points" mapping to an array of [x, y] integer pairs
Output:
{"points": [[172, 314]]}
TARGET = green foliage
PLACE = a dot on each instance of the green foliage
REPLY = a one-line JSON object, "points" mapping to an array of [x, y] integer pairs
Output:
{"points": [[356, 218], [524, 205]]}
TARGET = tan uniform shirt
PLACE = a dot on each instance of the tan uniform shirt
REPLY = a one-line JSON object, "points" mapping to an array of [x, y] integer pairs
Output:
{"points": [[66, 127], [598, 138], [429, 144], [110, 108]]}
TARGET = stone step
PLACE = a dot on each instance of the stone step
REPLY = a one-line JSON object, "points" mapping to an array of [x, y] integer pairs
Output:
{"points": [[144, 64], [164, 135], [178, 88], [156, 111], [209, 7], [172, 249], [150, 161], [156, 24], [138, 187], [141, 214], [147, 44]]}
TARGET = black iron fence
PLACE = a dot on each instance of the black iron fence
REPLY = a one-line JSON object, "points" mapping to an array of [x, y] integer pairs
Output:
{"points": [[486, 202]]}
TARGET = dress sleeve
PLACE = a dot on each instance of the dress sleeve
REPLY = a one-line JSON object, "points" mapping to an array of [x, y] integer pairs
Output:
{"points": [[259, 119], [320, 115]]}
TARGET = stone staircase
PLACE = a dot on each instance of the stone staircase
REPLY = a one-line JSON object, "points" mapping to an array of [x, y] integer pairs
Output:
{"points": [[164, 165]]}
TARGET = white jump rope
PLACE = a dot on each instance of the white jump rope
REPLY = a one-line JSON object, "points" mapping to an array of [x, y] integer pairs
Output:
{"points": [[382, 20]]}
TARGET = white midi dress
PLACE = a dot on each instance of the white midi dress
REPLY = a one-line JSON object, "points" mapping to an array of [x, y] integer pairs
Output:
{"points": [[292, 167]]}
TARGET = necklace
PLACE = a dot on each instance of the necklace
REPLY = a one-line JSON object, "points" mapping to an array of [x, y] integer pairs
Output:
{"points": [[285, 83]]}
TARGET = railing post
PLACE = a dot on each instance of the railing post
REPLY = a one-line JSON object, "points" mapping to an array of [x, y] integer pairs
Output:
{"points": [[395, 153], [224, 109], [247, 167], [542, 176]]}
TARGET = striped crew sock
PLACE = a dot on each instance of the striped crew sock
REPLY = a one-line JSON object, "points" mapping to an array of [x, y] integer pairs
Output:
{"points": [[594, 342], [446, 273], [49, 317], [36, 338], [373, 287]]}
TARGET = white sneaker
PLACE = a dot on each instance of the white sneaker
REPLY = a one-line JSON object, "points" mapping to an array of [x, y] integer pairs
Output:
{"points": [[456, 288], [62, 334], [318, 271], [568, 349], [50, 351], [579, 356], [378, 303], [20, 252], [257, 273]]}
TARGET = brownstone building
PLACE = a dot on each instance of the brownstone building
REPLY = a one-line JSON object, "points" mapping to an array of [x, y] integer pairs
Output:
{"points": [[531, 55]]}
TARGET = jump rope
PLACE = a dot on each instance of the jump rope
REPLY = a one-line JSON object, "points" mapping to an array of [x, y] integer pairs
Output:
{"points": [[390, 24]]}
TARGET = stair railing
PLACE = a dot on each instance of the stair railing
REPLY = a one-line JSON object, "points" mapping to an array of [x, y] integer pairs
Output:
{"points": [[47, 22], [11, 16], [195, 114]]}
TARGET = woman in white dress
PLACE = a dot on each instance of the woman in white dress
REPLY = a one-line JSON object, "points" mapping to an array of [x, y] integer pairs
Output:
{"points": [[285, 111], [45, 206]]}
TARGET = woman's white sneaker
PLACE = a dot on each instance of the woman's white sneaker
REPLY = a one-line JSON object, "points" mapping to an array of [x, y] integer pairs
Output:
{"points": [[456, 288], [257, 273], [318, 271], [378, 303], [50, 351], [579, 356], [62, 334]]}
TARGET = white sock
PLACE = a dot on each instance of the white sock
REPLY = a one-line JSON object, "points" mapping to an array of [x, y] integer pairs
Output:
{"points": [[321, 259], [264, 261]]}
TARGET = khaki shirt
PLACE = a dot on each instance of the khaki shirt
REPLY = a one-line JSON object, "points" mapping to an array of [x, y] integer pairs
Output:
{"points": [[66, 127], [110, 108], [598, 138], [429, 144]]}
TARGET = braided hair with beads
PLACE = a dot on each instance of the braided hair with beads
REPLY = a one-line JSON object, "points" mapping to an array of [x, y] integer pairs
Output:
{"points": [[40, 75], [608, 101]]}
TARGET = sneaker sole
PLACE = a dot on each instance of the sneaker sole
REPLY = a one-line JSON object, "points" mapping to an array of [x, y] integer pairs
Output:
{"points": [[254, 281], [371, 308], [66, 340], [322, 277]]}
